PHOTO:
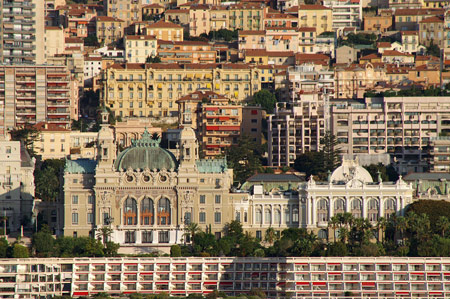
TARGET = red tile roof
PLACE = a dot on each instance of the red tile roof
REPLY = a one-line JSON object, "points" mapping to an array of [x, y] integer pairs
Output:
{"points": [[164, 24]]}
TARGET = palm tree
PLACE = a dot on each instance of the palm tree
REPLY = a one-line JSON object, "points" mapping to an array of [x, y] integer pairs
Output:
{"points": [[270, 235], [381, 227], [401, 224], [443, 224], [334, 224], [104, 234], [191, 230]]}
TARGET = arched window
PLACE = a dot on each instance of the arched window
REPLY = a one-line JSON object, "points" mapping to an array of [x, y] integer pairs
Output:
{"points": [[164, 211], [356, 208], [147, 212], [295, 215], [372, 210], [258, 216], [277, 217], [339, 206], [322, 210], [130, 211], [389, 208], [322, 234], [267, 216]]}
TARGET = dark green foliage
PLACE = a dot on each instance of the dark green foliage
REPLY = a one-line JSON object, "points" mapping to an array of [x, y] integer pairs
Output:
{"points": [[311, 163], [412, 92], [221, 34], [28, 134], [433, 208], [358, 39], [43, 243], [3, 247], [20, 251], [265, 99], [433, 49], [337, 249], [91, 41], [379, 170], [244, 159], [47, 179], [175, 251], [330, 150], [151, 59]]}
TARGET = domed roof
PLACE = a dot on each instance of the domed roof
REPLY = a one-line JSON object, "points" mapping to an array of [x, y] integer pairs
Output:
{"points": [[349, 170], [187, 133], [145, 153]]}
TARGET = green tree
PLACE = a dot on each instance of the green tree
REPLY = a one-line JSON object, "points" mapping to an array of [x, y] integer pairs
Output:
{"points": [[175, 251], [20, 251], [191, 230], [104, 234], [334, 224], [47, 179], [311, 163], [443, 224], [244, 159], [270, 235], [91, 41], [153, 59], [433, 49], [28, 134], [111, 249], [331, 153], [265, 99], [3, 247], [337, 249], [43, 242]]}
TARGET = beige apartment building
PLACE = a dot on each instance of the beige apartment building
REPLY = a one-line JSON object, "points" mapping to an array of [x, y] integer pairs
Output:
{"points": [[199, 19], [246, 16], [147, 202], [54, 41], [399, 126], [22, 32], [163, 30], [354, 80], [140, 47], [129, 11], [186, 52], [32, 94], [153, 89], [315, 15], [219, 17], [296, 129], [431, 30], [109, 29]]}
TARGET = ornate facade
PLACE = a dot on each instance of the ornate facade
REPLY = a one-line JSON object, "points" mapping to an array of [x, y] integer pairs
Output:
{"points": [[145, 194]]}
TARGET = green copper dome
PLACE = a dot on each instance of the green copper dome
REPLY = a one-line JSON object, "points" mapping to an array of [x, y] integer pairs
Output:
{"points": [[144, 153]]}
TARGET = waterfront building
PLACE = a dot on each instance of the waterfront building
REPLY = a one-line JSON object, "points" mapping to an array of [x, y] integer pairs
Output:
{"points": [[291, 277]]}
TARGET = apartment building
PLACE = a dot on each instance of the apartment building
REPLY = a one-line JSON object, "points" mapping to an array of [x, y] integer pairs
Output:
{"points": [[252, 40], [431, 30], [280, 20], [140, 47], [282, 39], [178, 16], [128, 11], [345, 13], [306, 40], [31, 94], [16, 183], [378, 24], [315, 15], [219, 17], [199, 19], [408, 19], [79, 22], [163, 30], [22, 32], [439, 154], [109, 29], [410, 41], [354, 80], [246, 16], [218, 121], [399, 126], [153, 89], [92, 68], [310, 78], [186, 52], [54, 41], [296, 128]]}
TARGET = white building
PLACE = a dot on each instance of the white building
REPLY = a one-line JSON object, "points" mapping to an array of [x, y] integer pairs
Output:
{"points": [[291, 277], [92, 68], [16, 184], [347, 13], [139, 47]]}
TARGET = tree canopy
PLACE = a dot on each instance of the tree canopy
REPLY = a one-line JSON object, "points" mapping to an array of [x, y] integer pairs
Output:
{"points": [[47, 179], [265, 99]]}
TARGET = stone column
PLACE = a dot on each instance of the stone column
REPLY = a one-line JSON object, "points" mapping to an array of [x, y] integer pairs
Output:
{"points": [[330, 208]]}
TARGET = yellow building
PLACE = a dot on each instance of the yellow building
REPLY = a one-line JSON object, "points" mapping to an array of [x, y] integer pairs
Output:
{"points": [[199, 20], [139, 47], [109, 29], [246, 16], [165, 31], [54, 41], [219, 17], [129, 11], [315, 15], [153, 89]]}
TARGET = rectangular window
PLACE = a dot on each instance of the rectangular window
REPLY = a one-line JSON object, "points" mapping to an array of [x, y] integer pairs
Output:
{"points": [[217, 199], [202, 217], [202, 199], [74, 218], [74, 199], [238, 216], [130, 237], [147, 237], [163, 237], [90, 218], [258, 235], [217, 217], [90, 199]]}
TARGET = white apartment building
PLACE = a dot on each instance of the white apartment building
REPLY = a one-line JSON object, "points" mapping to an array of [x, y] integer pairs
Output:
{"points": [[400, 126], [92, 68], [296, 128], [310, 78], [347, 13], [139, 47], [16, 183], [291, 277]]}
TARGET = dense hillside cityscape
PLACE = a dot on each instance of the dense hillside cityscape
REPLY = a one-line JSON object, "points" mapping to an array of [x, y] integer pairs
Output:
{"points": [[224, 149]]}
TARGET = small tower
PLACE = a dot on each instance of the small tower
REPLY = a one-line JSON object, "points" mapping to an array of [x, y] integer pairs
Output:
{"points": [[188, 147], [106, 149]]}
